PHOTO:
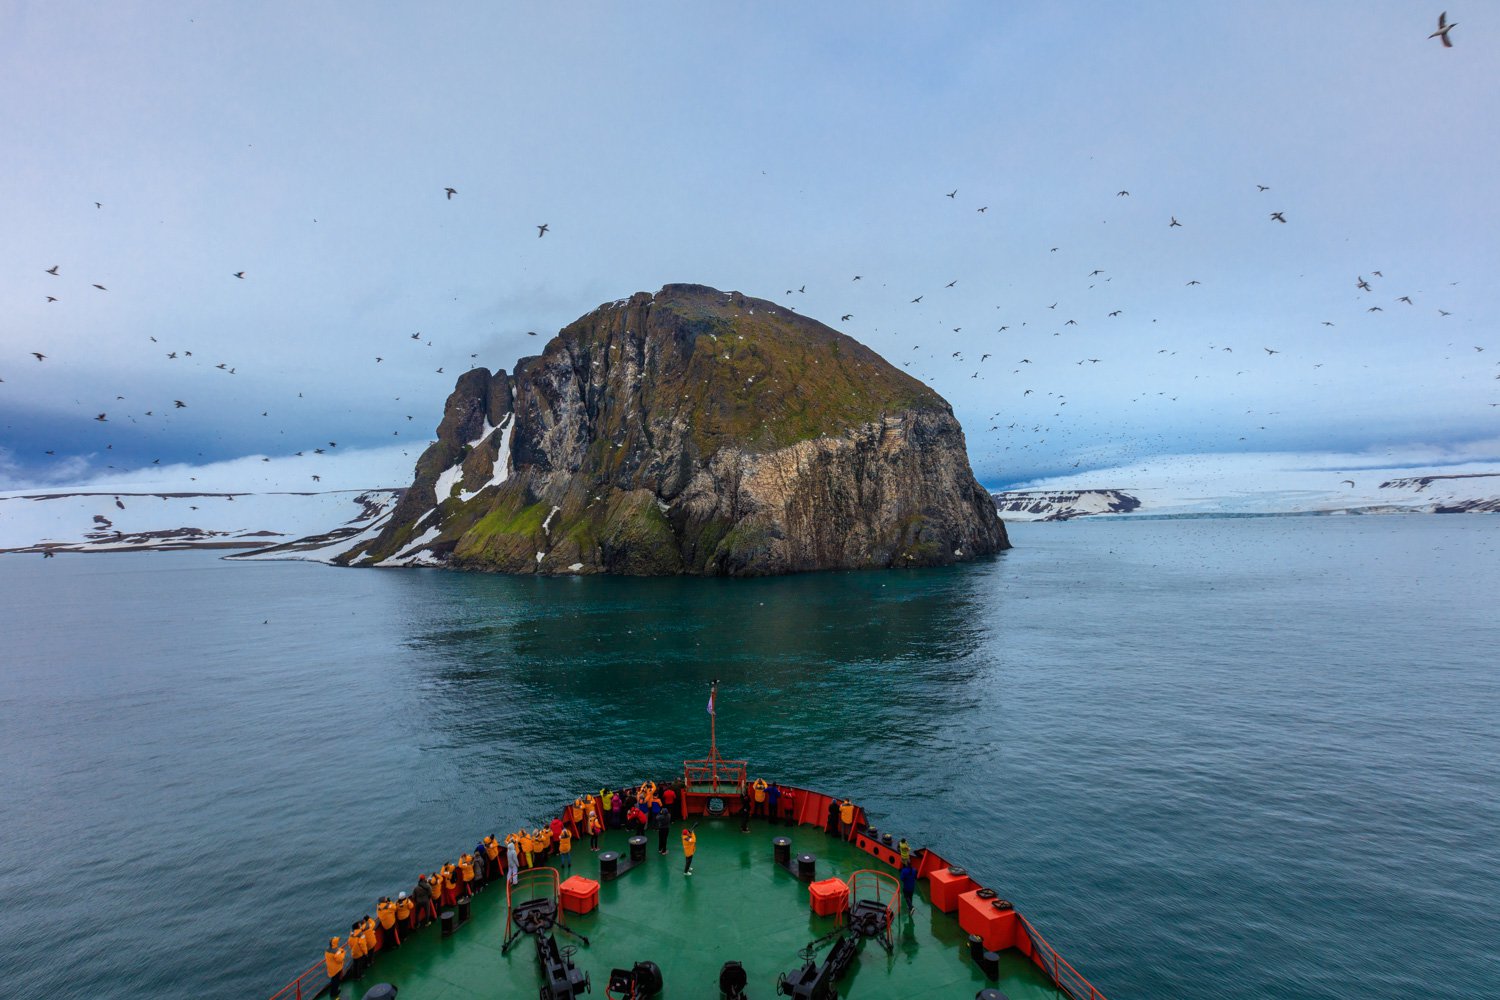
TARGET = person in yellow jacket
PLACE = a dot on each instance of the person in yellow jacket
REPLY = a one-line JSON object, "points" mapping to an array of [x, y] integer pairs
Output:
{"points": [[358, 954], [607, 800], [465, 874], [525, 846], [689, 847], [385, 914], [372, 937], [759, 787], [333, 961], [595, 828], [846, 818], [405, 912], [492, 852], [565, 851]]}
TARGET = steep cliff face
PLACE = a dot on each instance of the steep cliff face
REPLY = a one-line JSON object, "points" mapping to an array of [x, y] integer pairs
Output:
{"points": [[692, 431]]}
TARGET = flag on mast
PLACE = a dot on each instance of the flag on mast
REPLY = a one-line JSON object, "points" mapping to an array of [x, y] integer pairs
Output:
{"points": [[711, 690]]}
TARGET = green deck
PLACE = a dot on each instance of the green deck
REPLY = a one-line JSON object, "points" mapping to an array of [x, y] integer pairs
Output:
{"points": [[738, 905]]}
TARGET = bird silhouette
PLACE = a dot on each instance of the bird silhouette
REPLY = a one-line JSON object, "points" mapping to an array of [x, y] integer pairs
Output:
{"points": [[982, 210], [1374, 309], [52, 298], [39, 357], [541, 230], [1174, 222], [1195, 281], [953, 192], [846, 317], [179, 404], [240, 275], [1269, 351], [1443, 28], [378, 360], [1115, 313], [1122, 194], [1262, 187], [1350, 482], [450, 192], [53, 269], [1441, 312], [1278, 216], [951, 283], [417, 335], [102, 418], [101, 288], [1406, 299], [917, 299], [1362, 284]]}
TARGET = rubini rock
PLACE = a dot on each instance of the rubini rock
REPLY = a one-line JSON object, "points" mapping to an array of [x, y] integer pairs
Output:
{"points": [[692, 432]]}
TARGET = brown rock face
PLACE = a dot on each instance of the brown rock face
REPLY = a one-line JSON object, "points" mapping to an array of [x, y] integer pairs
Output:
{"points": [[692, 431]]}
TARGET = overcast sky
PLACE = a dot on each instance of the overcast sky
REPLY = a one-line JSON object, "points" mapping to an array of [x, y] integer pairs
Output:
{"points": [[757, 147]]}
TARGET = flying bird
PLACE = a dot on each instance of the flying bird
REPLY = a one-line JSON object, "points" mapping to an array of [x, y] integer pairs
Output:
{"points": [[101, 288], [450, 192], [951, 283], [1269, 351], [1374, 309], [917, 299], [39, 357], [417, 335], [1122, 194], [179, 404], [982, 210], [1195, 281], [53, 269], [1262, 187], [1362, 284], [1406, 299], [1115, 313], [1441, 312], [953, 192], [1443, 28], [1349, 481], [52, 298], [846, 317], [1278, 216], [1174, 222], [101, 418], [541, 230], [240, 275]]}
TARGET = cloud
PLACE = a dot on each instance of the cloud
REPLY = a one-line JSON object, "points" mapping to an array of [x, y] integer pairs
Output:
{"points": [[352, 469]]}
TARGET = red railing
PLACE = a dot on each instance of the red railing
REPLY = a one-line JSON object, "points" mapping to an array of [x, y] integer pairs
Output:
{"points": [[714, 771], [294, 989], [1067, 978]]}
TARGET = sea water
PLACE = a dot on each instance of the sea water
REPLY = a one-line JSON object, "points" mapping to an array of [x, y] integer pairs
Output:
{"points": [[1215, 758]]}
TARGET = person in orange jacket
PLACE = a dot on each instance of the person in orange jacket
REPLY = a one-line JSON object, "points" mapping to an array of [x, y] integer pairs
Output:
{"points": [[565, 851], [595, 827], [465, 875], [846, 819], [372, 937], [358, 955], [492, 852], [385, 914], [406, 913], [333, 961], [689, 848], [759, 787]]}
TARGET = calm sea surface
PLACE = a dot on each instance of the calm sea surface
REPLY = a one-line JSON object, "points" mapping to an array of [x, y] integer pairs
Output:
{"points": [[1210, 758]]}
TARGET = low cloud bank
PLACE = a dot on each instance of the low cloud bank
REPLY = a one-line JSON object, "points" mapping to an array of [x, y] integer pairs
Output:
{"points": [[336, 469]]}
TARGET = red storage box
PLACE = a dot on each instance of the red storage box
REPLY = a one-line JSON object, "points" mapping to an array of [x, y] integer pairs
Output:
{"points": [[997, 928], [579, 894], [945, 888], [829, 897]]}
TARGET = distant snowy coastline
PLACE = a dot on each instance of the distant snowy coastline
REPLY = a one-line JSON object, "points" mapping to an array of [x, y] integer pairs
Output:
{"points": [[1437, 493], [37, 521]]}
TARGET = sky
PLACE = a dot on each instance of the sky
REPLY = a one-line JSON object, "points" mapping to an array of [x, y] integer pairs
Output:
{"points": [[774, 149]]}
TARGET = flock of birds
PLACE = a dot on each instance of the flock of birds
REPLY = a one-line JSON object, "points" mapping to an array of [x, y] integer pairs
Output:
{"points": [[1027, 378]]}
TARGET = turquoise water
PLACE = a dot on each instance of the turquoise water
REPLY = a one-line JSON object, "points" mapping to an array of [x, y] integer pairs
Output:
{"points": [[1210, 758]]}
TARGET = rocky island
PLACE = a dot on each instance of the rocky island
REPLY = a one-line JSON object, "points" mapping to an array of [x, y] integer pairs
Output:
{"points": [[692, 431]]}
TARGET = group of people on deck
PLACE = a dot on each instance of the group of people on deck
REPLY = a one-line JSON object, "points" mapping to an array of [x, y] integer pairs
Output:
{"points": [[350, 956], [638, 809]]}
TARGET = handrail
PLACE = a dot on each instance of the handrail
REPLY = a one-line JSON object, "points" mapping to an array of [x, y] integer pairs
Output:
{"points": [[1067, 978], [293, 989]]}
